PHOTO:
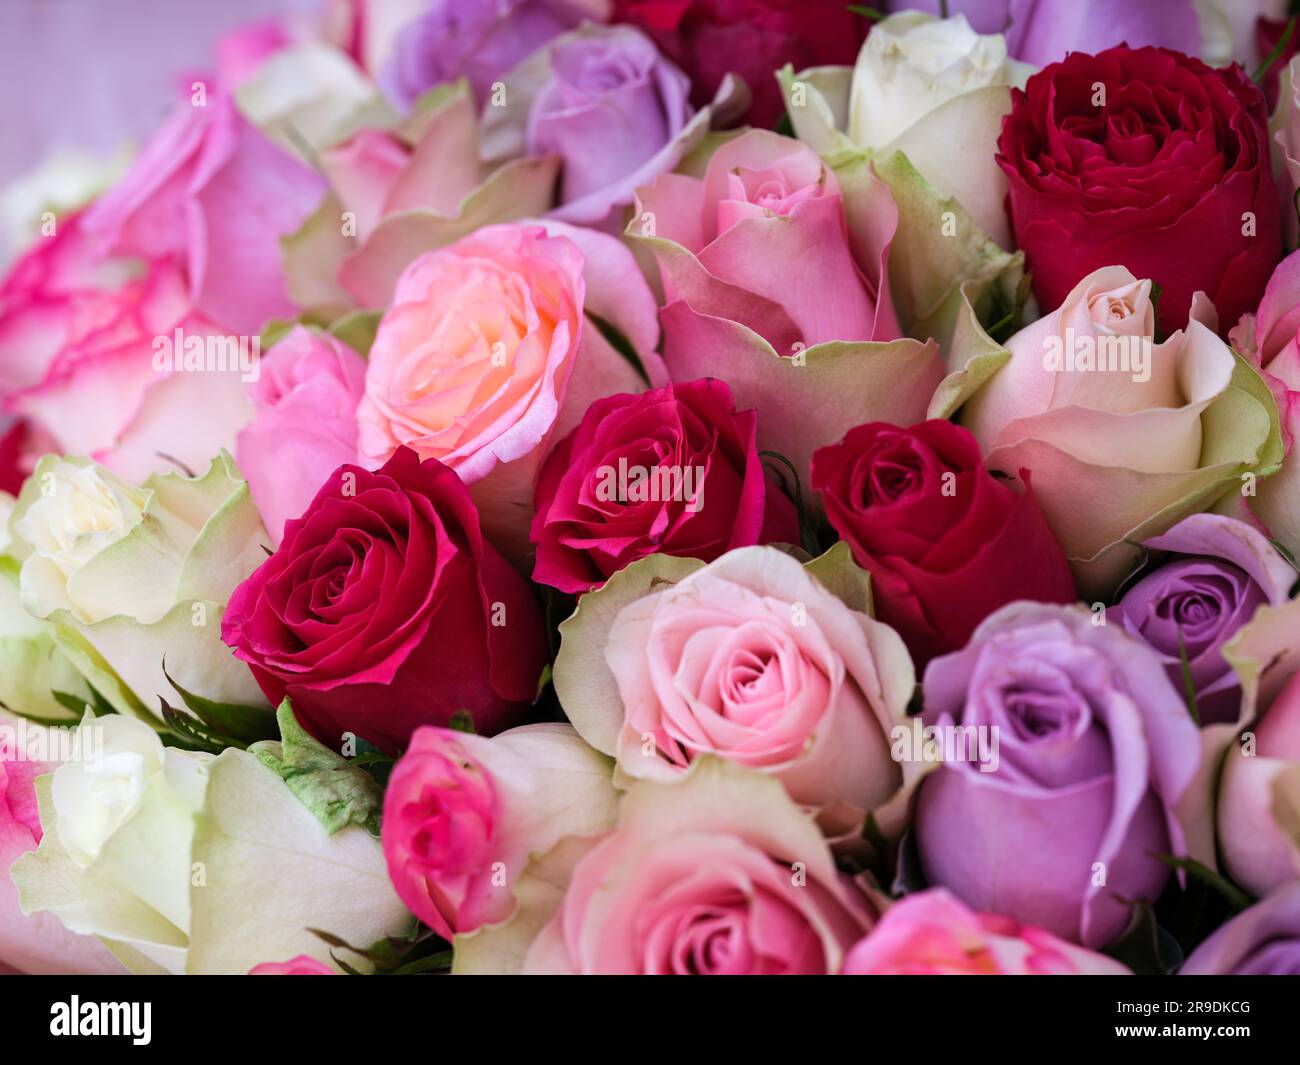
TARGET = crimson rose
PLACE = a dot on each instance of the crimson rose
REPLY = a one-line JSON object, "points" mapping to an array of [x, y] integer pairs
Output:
{"points": [[946, 542], [753, 38], [675, 470], [385, 609], [1149, 159]]}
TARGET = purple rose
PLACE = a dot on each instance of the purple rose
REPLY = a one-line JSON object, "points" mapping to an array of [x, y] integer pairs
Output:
{"points": [[1261, 941], [1211, 574], [1042, 31], [1078, 749], [478, 40]]}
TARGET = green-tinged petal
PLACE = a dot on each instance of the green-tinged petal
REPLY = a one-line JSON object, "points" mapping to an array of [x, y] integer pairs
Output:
{"points": [[271, 872]]}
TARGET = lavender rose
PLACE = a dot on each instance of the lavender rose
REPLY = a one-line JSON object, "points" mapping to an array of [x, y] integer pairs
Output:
{"points": [[1091, 750], [1211, 574], [477, 40], [1261, 941]]}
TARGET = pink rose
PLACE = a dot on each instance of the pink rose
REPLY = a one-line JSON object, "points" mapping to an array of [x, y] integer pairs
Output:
{"points": [[214, 196], [933, 934], [463, 814], [486, 357], [39, 943], [753, 658], [1123, 436], [304, 423], [78, 335], [717, 874], [302, 965], [1259, 799], [775, 280]]}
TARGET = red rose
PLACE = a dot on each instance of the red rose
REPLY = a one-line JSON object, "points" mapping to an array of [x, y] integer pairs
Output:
{"points": [[946, 542], [675, 470], [385, 609], [1145, 158], [753, 38]]}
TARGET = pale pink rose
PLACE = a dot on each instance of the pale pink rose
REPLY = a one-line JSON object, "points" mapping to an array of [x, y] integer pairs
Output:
{"points": [[486, 357], [463, 813], [751, 658], [78, 334], [934, 934], [304, 423], [775, 279], [302, 965], [214, 196], [719, 873], [1120, 454], [1259, 799], [39, 943]]}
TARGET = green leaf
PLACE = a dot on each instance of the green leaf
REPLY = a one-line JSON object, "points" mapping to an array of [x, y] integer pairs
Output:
{"points": [[337, 791], [1189, 685], [241, 724], [619, 343], [1233, 895], [462, 721], [1146, 947]]}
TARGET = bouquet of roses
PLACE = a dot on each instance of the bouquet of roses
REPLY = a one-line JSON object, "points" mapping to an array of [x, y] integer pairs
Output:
{"points": [[571, 486]]}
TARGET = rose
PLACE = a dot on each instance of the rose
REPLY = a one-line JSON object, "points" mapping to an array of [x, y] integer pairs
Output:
{"points": [[710, 38], [932, 934], [302, 965], [1150, 160], [62, 183], [692, 485], [719, 873], [184, 200], [1090, 734], [787, 340], [75, 323], [931, 88], [946, 542], [753, 658], [1217, 573], [136, 577], [463, 814], [185, 862], [1122, 436], [452, 39], [304, 423], [1259, 799], [401, 192], [485, 357], [1044, 31], [39, 943], [1261, 941], [385, 609], [1269, 338], [614, 111], [310, 94]]}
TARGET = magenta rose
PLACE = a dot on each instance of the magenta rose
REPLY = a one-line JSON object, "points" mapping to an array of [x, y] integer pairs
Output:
{"points": [[463, 813], [946, 542], [1210, 575], [302, 965], [675, 470], [1167, 174], [385, 609], [304, 423], [932, 933], [1085, 750]]}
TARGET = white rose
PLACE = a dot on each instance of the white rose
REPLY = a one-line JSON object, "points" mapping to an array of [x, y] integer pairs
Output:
{"points": [[131, 575], [933, 89], [185, 862]]}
